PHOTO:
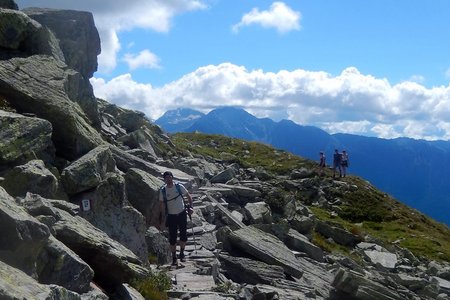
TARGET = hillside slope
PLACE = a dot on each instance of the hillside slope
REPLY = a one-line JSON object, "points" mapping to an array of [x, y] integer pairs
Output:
{"points": [[410, 170]]}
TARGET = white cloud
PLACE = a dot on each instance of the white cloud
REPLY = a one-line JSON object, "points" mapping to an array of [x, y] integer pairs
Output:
{"points": [[113, 17], [417, 78], [349, 102], [145, 59], [279, 16]]}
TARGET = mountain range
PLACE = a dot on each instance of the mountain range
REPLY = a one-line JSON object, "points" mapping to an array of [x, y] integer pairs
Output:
{"points": [[414, 171]]}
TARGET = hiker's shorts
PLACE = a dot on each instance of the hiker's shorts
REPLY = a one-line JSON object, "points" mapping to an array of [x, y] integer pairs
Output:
{"points": [[175, 223]]}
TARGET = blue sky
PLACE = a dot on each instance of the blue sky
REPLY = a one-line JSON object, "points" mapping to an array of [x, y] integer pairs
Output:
{"points": [[376, 68]]}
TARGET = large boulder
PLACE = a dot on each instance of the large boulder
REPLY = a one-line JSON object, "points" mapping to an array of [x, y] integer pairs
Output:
{"points": [[32, 177], [24, 138], [59, 265], [40, 84], [22, 36], [23, 237], [139, 139], [112, 263], [78, 37], [245, 270], [15, 284], [88, 171], [111, 213], [353, 285], [258, 212], [158, 245], [266, 248], [143, 193], [80, 43]]}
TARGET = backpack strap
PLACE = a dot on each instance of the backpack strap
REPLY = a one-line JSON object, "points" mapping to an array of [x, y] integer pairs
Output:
{"points": [[177, 186]]}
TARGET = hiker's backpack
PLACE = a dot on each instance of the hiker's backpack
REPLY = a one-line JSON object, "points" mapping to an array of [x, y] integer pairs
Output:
{"points": [[163, 190]]}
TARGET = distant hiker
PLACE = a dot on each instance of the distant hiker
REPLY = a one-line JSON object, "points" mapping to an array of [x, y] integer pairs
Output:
{"points": [[171, 201], [337, 160], [344, 162], [322, 163]]}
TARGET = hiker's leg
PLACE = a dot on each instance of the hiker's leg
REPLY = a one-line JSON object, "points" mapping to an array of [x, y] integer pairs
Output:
{"points": [[172, 224], [182, 223]]}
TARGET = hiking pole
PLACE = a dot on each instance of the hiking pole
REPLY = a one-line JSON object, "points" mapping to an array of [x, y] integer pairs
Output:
{"points": [[190, 211]]}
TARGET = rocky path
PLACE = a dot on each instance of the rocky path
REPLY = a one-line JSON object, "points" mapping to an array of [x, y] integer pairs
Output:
{"points": [[197, 277]]}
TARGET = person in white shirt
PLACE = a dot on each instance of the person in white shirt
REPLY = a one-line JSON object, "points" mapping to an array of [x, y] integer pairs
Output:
{"points": [[171, 201]]}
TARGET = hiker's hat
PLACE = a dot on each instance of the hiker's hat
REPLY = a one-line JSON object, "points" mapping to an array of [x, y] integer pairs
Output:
{"points": [[167, 173]]}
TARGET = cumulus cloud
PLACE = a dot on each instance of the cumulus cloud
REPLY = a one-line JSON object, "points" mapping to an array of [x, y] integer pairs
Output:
{"points": [[113, 17], [145, 59], [349, 102], [279, 16]]}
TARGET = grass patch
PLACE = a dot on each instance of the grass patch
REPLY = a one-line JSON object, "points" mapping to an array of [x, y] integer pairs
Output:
{"points": [[222, 288], [247, 154], [5, 105], [154, 286]]}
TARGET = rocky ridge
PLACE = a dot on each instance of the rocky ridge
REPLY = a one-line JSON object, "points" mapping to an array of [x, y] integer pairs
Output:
{"points": [[79, 190]]}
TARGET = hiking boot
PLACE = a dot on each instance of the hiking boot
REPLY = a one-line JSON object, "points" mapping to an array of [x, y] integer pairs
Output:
{"points": [[182, 257], [174, 261]]}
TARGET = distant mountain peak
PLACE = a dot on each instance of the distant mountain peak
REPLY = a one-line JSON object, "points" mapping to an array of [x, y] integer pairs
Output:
{"points": [[179, 119]]}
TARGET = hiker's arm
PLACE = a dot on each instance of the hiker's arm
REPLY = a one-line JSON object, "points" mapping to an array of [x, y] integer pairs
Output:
{"points": [[189, 199]]}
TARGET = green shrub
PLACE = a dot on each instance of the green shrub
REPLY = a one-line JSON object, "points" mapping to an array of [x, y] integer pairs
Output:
{"points": [[154, 286], [222, 288]]}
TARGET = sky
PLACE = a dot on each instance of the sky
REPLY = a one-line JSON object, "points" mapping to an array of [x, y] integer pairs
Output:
{"points": [[374, 68]]}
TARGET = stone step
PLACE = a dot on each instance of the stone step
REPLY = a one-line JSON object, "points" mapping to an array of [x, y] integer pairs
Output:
{"points": [[192, 282]]}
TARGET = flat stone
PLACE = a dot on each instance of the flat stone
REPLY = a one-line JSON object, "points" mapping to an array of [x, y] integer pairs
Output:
{"points": [[194, 282]]}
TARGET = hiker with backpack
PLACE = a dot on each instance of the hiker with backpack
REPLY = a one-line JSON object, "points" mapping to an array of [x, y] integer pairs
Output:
{"points": [[322, 163], [337, 163], [172, 203], [344, 162]]}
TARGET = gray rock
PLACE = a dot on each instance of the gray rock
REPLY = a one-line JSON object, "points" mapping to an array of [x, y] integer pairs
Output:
{"points": [[111, 213], [23, 237], [127, 292], [385, 259], [299, 242], [413, 283], [198, 167], [139, 139], [356, 285], [244, 270], [88, 171], [112, 263], [224, 176], [158, 245], [19, 32], [59, 265], [78, 37], [207, 240], [24, 138], [143, 193], [444, 285], [337, 233], [15, 284], [38, 84], [32, 177], [267, 248], [303, 224], [258, 212]]}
